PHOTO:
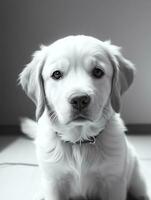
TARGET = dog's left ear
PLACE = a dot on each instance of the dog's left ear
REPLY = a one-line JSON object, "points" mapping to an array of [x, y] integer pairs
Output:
{"points": [[31, 80], [123, 75]]}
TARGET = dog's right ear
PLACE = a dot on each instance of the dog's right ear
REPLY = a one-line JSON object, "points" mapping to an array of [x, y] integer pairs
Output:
{"points": [[31, 80]]}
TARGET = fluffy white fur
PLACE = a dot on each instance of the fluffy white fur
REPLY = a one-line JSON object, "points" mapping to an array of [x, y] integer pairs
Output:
{"points": [[70, 167]]}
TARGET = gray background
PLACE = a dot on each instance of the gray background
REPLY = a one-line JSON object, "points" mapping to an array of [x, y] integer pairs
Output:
{"points": [[25, 24]]}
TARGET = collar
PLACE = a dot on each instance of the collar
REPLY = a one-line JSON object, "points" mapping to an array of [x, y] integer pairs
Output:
{"points": [[91, 140]]}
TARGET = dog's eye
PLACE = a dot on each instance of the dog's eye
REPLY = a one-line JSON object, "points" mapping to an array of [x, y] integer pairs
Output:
{"points": [[97, 72], [57, 75]]}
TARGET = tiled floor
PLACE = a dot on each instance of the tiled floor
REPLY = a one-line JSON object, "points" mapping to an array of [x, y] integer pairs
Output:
{"points": [[21, 182]]}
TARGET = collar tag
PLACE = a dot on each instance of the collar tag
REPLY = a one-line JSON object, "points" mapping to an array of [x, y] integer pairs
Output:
{"points": [[91, 140]]}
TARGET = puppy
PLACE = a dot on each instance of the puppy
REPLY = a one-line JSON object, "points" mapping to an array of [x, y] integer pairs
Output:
{"points": [[76, 84]]}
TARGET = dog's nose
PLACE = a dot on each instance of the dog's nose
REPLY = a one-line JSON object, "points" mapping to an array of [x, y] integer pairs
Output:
{"points": [[80, 102]]}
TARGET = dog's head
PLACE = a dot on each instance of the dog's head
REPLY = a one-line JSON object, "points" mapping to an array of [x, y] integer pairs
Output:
{"points": [[76, 78]]}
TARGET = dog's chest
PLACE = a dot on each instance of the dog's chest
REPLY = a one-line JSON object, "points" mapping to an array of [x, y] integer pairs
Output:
{"points": [[103, 158], [91, 167]]}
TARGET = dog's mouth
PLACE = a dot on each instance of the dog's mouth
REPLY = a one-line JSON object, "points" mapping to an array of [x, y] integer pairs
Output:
{"points": [[79, 119]]}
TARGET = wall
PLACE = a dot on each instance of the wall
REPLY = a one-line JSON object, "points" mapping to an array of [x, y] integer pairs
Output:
{"points": [[26, 24]]}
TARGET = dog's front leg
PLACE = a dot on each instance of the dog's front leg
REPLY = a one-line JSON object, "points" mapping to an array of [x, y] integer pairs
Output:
{"points": [[50, 190], [138, 186], [117, 190], [54, 190]]}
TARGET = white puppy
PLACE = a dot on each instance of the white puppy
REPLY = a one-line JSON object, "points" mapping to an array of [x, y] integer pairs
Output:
{"points": [[76, 84]]}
